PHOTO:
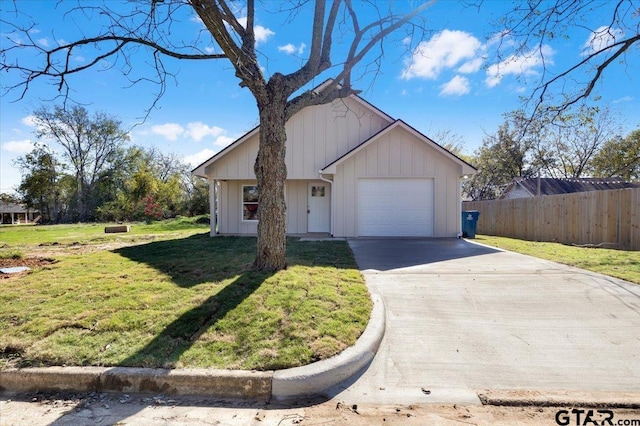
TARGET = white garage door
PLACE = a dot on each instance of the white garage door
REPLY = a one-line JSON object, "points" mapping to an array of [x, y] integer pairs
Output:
{"points": [[395, 207]]}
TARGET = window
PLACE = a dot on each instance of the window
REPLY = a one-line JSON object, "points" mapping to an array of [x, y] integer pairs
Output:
{"points": [[317, 191], [249, 202]]}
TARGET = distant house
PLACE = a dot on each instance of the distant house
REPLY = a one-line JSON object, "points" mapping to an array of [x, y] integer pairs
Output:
{"points": [[533, 187], [352, 171], [11, 213]]}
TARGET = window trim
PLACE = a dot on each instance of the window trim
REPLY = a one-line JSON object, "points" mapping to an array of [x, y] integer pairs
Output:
{"points": [[243, 203]]}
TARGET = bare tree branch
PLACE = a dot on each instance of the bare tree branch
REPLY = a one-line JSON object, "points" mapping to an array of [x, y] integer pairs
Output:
{"points": [[538, 23], [243, 58], [622, 47], [340, 86], [57, 63]]}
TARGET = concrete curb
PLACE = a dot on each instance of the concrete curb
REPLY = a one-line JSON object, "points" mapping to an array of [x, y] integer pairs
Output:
{"points": [[315, 378], [254, 385], [310, 380], [529, 398]]}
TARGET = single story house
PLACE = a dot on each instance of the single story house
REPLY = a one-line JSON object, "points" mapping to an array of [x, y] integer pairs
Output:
{"points": [[12, 213], [533, 187], [352, 171]]}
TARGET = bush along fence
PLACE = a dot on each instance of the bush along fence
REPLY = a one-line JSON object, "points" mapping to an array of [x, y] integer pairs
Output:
{"points": [[608, 219]]}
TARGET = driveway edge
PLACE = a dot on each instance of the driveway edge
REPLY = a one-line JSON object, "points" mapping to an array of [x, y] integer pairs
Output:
{"points": [[309, 380], [529, 398]]}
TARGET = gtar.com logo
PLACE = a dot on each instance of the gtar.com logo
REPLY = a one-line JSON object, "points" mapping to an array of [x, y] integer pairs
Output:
{"points": [[583, 417]]}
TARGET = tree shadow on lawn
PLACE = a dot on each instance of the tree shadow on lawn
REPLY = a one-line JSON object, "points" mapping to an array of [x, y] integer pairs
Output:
{"points": [[196, 259], [199, 259], [189, 262], [166, 348]]}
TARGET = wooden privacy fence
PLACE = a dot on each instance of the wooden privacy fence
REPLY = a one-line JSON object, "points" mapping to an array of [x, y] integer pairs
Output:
{"points": [[608, 219]]}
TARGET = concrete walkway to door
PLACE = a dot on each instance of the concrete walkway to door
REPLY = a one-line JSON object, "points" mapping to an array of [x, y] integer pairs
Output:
{"points": [[463, 318]]}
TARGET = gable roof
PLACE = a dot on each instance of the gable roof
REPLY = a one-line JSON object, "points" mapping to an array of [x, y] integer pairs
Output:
{"points": [[200, 170], [6, 207], [467, 169], [554, 186]]}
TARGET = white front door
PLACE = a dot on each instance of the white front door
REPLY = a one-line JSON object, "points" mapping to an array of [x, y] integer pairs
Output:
{"points": [[319, 207]]}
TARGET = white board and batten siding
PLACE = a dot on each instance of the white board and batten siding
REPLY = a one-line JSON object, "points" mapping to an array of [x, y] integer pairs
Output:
{"points": [[387, 178], [230, 220], [316, 136], [393, 159]]}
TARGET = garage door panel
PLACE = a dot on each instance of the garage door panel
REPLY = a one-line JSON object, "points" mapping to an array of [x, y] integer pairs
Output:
{"points": [[395, 207]]}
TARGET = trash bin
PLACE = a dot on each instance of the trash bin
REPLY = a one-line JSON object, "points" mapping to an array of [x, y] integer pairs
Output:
{"points": [[469, 223]]}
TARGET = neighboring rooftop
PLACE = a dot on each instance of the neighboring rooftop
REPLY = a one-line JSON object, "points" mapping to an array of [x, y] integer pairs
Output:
{"points": [[6, 207], [552, 186]]}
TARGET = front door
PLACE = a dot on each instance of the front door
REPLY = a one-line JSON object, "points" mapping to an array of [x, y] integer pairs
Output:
{"points": [[319, 207]]}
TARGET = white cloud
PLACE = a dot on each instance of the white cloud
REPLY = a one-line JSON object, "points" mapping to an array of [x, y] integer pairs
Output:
{"points": [[471, 66], [223, 141], [525, 64], [29, 120], [199, 157], [43, 42], [170, 131], [457, 86], [262, 34], [202, 156], [444, 50], [290, 49], [600, 39], [198, 130], [18, 147], [195, 130]]}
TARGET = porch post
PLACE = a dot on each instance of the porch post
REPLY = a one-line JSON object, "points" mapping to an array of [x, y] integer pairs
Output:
{"points": [[213, 207]]}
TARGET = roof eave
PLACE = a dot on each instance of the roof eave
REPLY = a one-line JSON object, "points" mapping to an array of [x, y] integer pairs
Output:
{"points": [[201, 169]]}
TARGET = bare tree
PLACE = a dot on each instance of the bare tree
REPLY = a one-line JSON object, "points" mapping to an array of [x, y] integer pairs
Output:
{"points": [[149, 25], [89, 144], [568, 143], [503, 156], [532, 26]]}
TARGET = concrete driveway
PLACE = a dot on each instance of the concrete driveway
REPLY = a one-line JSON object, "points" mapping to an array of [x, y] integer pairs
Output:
{"points": [[463, 318]]}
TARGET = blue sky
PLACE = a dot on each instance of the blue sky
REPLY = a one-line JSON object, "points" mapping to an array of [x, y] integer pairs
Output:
{"points": [[451, 81]]}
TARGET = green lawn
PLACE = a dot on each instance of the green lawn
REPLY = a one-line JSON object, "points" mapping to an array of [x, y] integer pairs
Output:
{"points": [[175, 297], [29, 235], [615, 263]]}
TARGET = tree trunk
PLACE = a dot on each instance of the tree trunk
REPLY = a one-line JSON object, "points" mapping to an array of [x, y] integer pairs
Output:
{"points": [[271, 172]]}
